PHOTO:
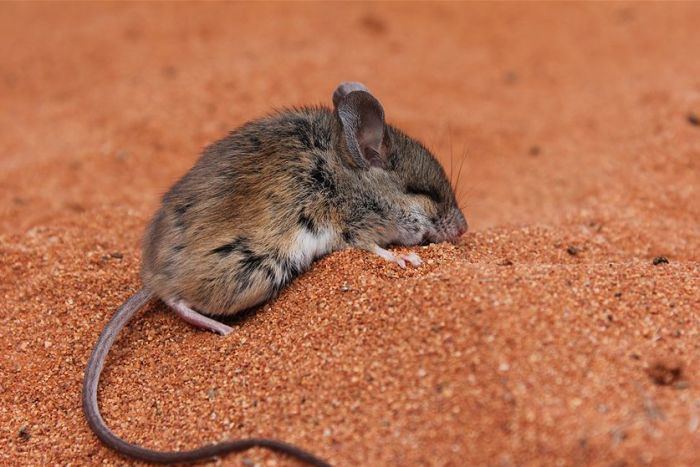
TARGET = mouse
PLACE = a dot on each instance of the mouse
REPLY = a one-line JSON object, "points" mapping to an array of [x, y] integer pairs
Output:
{"points": [[259, 206]]}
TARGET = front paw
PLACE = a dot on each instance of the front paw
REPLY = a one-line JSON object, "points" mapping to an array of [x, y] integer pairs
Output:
{"points": [[412, 258], [401, 260]]}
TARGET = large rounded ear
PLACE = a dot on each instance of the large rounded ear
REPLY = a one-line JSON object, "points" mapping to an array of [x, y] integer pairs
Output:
{"points": [[362, 118], [346, 88]]}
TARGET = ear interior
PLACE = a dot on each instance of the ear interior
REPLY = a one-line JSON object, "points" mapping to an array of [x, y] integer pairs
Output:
{"points": [[362, 117]]}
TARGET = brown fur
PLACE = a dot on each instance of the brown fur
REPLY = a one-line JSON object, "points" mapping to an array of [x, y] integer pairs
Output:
{"points": [[236, 228]]}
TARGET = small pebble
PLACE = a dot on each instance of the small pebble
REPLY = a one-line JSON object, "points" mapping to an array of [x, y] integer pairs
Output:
{"points": [[694, 119], [572, 250], [665, 372], [24, 434]]}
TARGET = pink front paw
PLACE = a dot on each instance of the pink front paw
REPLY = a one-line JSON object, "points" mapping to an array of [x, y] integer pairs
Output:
{"points": [[412, 258]]}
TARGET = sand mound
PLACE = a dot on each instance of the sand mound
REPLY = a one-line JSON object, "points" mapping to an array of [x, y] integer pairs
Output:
{"points": [[563, 328]]}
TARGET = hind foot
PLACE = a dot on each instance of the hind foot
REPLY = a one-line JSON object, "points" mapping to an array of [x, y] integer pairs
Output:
{"points": [[197, 319]]}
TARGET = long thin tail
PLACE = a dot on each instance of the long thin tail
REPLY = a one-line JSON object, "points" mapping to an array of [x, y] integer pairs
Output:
{"points": [[107, 436]]}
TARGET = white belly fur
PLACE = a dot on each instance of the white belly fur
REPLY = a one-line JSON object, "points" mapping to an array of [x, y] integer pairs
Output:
{"points": [[308, 246]]}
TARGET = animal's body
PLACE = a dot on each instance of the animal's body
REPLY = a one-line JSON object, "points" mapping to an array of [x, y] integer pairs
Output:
{"points": [[261, 204]]}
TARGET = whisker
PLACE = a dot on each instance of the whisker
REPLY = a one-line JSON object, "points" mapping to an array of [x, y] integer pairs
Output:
{"points": [[469, 190], [449, 139], [451, 177], [458, 188], [459, 173], [436, 148]]}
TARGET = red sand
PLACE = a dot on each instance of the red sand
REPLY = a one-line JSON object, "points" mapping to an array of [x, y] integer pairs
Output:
{"points": [[546, 336]]}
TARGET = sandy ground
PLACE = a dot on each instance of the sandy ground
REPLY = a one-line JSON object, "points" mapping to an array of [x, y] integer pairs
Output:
{"points": [[547, 335]]}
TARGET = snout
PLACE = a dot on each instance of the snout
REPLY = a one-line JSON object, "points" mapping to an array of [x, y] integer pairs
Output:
{"points": [[460, 224], [457, 226], [462, 227], [448, 229]]}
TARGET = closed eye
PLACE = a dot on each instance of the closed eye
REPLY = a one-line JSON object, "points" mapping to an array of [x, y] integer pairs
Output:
{"points": [[430, 193]]}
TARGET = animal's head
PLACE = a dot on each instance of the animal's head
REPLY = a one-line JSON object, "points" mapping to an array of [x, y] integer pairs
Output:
{"points": [[424, 205]]}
